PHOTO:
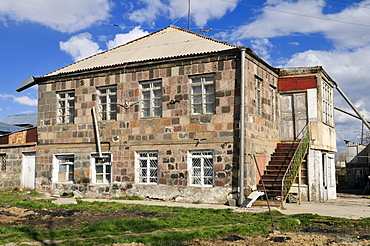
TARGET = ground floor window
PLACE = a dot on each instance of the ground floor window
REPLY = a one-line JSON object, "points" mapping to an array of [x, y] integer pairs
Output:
{"points": [[102, 169], [2, 162], [201, 168], [147, 167], [65, 167]]}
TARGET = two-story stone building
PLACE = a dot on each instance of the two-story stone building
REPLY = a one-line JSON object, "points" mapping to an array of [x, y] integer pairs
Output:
{"points": [[175, 116]]}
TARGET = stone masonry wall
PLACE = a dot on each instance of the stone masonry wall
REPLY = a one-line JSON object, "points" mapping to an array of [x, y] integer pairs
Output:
{"points": [[11, 172], [172, 135]]}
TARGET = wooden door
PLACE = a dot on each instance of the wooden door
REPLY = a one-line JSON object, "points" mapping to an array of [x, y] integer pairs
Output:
{"points": [[293, 115]]}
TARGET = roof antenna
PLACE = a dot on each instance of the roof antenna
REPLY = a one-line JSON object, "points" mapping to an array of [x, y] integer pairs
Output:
{"points": [[189, 14], [205, 31]]}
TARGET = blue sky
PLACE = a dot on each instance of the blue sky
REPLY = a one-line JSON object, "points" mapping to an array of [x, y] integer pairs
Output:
{"points": [[40, 36]]}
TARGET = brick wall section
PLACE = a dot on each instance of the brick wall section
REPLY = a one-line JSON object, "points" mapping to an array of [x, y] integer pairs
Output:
{"points": [[172, 135]]}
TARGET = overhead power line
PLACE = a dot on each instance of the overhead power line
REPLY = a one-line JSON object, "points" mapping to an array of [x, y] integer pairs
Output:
{"points": [[298, 14]]}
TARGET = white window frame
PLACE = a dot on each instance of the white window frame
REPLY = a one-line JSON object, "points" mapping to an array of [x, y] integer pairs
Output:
{"points": [[258, 96], [60, 160], [66, 107], [107, 101], [327, 103], [273, 103], [151, 98], [201, 168], [203, 101], [2, 162], [146, 174], [106, 171]]}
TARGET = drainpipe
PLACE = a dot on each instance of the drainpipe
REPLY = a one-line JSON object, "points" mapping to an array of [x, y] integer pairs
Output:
{"points": [[242, 127], [97, 135]]}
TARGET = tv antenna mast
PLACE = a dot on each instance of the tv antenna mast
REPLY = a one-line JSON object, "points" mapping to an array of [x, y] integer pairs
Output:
{"points": [[205, 31]]}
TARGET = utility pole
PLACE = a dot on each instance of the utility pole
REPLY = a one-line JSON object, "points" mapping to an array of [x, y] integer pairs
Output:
{"points": [[189, 14]]}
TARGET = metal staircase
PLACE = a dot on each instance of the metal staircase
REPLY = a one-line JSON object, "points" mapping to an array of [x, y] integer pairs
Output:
{"points": [[281, 172]]}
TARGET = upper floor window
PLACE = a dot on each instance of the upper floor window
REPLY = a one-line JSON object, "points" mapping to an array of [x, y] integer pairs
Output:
{"points": [[65, 167], [66, 107], [151, 98], [201, 169], [102, 169], [258, 96], [327, 103], [273, 103], [107, 99], [203, 94], [147, 167]]}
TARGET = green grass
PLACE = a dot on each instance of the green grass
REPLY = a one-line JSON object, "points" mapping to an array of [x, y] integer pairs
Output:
{"points": [[184, 225]]}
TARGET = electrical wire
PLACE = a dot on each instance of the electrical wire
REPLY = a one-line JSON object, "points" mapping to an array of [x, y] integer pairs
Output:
{"points": [[297, 14]]}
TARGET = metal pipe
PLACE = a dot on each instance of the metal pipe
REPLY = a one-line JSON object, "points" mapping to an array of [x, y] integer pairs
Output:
{"points": [[346, 112], [353, 107], [242, 127], [97, 135]]}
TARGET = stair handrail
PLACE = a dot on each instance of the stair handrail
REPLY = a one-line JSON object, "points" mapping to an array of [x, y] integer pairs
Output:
{"points": [[296, 161]]}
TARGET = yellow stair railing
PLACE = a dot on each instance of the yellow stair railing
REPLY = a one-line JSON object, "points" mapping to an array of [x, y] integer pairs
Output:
{"points": [[294, 165]]}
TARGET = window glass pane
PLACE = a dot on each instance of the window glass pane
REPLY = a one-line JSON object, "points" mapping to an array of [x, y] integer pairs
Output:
{"points": [[157, 103], [197, 99], [108, 168], [210, 109], [157, 94], [103, 100], [157, 112], [99, 169], [210, 98], [146, 94], [195, 80], [196, 90], [209, 89], [146, 112], [62, 168], [99, 178], [197, 109], [145, 86]]}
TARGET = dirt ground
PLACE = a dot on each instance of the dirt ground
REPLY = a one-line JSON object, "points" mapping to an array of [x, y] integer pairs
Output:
{"points": [[320, 234]]}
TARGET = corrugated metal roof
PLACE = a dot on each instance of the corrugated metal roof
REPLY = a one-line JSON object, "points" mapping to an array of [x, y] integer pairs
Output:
{"points": [[21, 119], [166, 43], [7, 128]]}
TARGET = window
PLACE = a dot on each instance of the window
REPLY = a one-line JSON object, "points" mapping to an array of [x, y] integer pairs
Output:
{"points": [[65, 168], [203, 94], [107, 97], [2, 162], [327, 103], [102, 170], [147, 167], [258, 96], [66, 107], [273, 103], [201, 168], [151, 98]]}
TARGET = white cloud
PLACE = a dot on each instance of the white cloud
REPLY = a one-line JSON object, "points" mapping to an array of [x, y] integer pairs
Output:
{"points": [[80, 46], [61, 15], [24, 100], [308, 18], [202, 11], [123, 38], [263, 47]]}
